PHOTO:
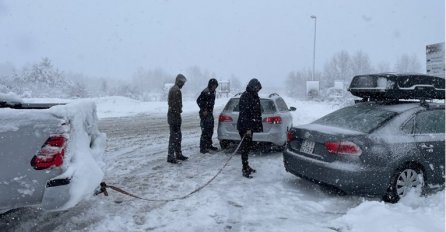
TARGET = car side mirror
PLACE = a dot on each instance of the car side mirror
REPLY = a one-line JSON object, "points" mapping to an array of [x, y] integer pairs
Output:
{"points": [[292, 108]]}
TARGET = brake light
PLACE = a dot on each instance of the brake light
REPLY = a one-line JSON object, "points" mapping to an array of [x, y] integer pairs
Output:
{"points": [[343, 148], [224, 118], [290, 136], [273, 120], [51, 154]]}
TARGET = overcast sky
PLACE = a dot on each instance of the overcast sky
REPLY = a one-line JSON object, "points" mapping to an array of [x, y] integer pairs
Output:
{"points": [[249, 38]]}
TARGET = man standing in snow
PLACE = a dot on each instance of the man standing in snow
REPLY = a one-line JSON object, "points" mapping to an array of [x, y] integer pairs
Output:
{"points": [[206, 102], [249, 121], [174, 119]]}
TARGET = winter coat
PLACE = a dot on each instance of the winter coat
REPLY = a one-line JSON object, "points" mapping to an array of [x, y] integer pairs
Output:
{"points": [[250, 115], [175, 101], [206, 101]]}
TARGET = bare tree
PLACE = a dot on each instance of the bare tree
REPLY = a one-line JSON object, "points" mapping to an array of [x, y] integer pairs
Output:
{"points": [[383, 67], [361, 63], [338, 68], [408, 63]]}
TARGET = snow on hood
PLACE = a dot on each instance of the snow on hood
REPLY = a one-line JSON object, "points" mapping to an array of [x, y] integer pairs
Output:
{"points": [[83, 159]]}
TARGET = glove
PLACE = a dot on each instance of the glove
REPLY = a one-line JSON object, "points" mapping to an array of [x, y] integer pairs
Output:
{"points": [[248, 133]]}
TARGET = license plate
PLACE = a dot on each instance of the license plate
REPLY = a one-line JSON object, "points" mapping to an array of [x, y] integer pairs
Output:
{"points": [[307, 147]]}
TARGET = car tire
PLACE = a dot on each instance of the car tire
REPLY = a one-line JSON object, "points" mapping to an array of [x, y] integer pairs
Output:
{"points": [[402, 181], [224, 144]]}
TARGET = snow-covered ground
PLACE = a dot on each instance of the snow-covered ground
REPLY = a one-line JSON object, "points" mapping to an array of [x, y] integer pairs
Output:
{"points": [[273, 200]]}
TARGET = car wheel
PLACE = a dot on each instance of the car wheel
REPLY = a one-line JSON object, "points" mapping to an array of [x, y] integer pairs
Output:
{"points": [[224, 144], [403, 181]]}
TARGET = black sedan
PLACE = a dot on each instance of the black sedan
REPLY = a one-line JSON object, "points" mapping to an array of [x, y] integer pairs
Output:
{"points": [[372, 148]]}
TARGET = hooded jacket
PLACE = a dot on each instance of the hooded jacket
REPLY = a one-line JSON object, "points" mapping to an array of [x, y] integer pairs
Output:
{"points": [[175, 99], [250, 115], [206, 100]]}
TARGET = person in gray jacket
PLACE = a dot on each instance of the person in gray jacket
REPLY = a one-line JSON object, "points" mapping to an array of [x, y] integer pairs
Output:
{"points": [[174, 120]]}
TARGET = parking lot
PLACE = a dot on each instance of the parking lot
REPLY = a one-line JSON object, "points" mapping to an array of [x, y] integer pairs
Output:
{"points": [[273, 200]]}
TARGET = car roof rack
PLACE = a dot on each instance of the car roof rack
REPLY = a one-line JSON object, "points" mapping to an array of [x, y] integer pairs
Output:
{"points": [[396, 86]]}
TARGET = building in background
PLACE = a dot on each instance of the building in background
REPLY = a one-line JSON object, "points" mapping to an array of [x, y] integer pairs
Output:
{"points": [[224, 88]]}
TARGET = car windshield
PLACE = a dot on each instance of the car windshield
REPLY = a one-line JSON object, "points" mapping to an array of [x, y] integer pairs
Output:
{"points": [[267, 105], [358, 118]]}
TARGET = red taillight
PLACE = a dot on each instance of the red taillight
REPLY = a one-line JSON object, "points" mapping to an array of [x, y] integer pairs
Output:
{"points": [[224, 118], [343, 148], [51, 154], [290, 136], [273, 120]]}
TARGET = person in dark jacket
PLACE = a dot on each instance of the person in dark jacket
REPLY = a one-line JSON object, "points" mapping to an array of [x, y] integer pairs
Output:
{"points": [[249, 121], [174, 120], [206, 102]]}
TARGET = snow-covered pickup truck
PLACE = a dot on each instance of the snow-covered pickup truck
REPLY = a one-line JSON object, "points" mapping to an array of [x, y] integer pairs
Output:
{"points": [[50, 155]]}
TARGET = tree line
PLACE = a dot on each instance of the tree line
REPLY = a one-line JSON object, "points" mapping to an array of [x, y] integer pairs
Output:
{"points": [[342, 67], [43, 79]]}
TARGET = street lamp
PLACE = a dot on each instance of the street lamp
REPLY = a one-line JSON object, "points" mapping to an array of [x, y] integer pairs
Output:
{"points": [[314, 44]]}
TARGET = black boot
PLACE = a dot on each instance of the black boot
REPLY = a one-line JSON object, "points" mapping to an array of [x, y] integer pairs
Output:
{"points": [[171, 159], [181, 157], [251, 170], [246, 173]]}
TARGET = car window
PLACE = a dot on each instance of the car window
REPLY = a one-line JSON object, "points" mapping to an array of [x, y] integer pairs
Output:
{"points": [[429, 122], [281, 105], [358, 118], [267, 105]]}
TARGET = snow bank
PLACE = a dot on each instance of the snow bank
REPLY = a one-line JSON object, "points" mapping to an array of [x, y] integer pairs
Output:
{"points": [[115, 106], [10, 98], [83, 158], [411, 214]]}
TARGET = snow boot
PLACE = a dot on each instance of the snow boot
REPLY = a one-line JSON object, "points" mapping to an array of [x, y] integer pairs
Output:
{"points": [[182, 157], [251, 170], [246, 170], [246, 173], [171, 159]]}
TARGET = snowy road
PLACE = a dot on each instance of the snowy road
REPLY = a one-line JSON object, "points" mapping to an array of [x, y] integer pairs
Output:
{"points": [[273, 200], [135, 160]]}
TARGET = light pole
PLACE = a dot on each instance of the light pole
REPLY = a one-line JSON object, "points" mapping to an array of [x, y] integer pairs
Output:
{"points": [[314, 44]]}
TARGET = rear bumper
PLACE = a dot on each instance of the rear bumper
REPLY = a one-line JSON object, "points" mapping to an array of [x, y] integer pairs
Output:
{"points": [[56, 194], [275, 136], [350, 178]]}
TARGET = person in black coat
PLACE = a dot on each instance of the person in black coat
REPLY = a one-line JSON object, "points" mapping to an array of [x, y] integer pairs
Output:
{"points": [[249, 122], [206, 102]]}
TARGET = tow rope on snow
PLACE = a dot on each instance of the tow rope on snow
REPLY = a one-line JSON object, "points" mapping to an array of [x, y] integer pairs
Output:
{"points": [[104, 186]]}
